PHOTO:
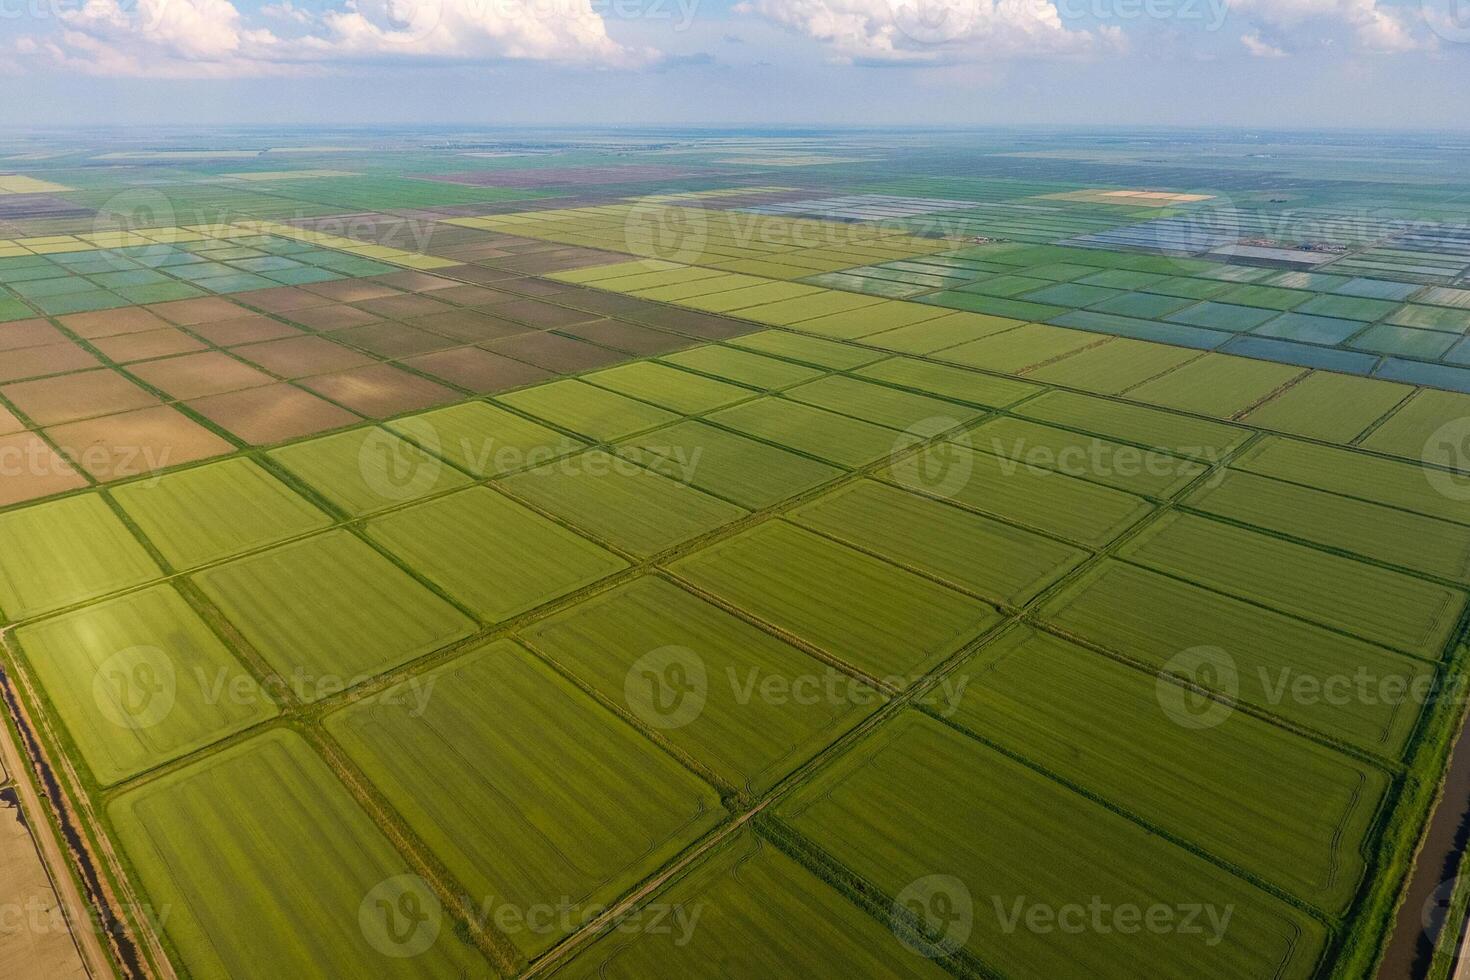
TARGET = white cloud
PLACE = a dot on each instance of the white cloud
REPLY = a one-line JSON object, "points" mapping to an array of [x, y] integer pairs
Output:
{"points": [[1259, 47], [934, 31], [287, 11], [541, 30], [210, 38], [1373, 25], [155, 38]]}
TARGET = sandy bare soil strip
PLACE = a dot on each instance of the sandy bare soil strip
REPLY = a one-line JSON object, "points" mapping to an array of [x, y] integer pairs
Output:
{"points": [[43, 922]]}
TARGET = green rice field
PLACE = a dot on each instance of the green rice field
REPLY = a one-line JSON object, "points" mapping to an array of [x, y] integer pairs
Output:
{"points": [[626, 560]]}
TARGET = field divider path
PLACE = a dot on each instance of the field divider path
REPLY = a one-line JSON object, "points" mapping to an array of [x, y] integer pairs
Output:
{"points": [[501, 953], [37, 816], [85, 845]]}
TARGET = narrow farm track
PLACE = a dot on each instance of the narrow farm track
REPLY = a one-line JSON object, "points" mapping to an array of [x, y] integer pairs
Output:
{"points": [[1421, 922], [82, 911]]}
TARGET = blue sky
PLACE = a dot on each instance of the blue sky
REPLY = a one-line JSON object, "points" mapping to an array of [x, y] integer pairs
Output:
{"points": [[1293, 63]]}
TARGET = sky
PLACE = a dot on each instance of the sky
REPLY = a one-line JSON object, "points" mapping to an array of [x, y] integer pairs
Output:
{"points": [[1265, 63]]}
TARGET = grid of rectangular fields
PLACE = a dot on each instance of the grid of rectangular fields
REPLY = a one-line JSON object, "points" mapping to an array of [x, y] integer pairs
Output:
{"points": [[362, 471], [1027, 221], [1115, 606], [1374, 479], [875, 617], [329, 612], [1145, 471], [761, 914], [241, 829], [1093, 722], [947, 381], [877, 574], [447, 540], [505, 756], [105, 395], [999, 561], [1053, 501], [1411, 431], [90, 662], [1149, 428], [899, 806], [617, 501], [92, 278], [807, 429], [1341, 321], [751, 474], [1410, 541], [746, 741], [758, 245], [64, 552], [216, 511], [591, 412], [1398, 610]]}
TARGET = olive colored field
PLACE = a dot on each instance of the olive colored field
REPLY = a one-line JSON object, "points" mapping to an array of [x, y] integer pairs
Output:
{"points": [[886, 813], [138, 680], [1299, 821], [968, 551], [759, 914], [66, 552], [747, 740], [502, 756], [216, 511], [329, 612], [1373, 603], [876, 617], [614, 500], [243, 829], [464, 543], [749, 473]]}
